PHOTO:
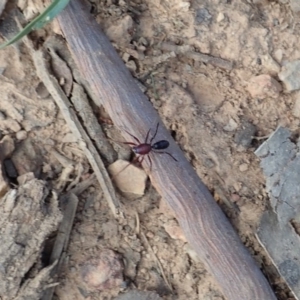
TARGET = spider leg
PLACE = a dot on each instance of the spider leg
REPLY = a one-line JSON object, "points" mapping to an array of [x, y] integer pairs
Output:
{"points": [[150, 162], [140, 161], [133, 136], [147, 136], [154, 133], [131, 144], [126, 143], [114, 177], [164, 152]]}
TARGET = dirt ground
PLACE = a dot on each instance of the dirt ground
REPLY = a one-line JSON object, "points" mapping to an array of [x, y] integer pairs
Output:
{"points": [[211, 115]]}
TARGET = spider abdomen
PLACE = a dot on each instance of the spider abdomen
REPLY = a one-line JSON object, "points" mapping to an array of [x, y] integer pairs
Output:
{"points": [[142, 149]]}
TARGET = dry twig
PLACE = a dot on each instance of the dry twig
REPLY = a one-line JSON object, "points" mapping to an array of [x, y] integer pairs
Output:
{"points": [[71, 118], [197, 56]]}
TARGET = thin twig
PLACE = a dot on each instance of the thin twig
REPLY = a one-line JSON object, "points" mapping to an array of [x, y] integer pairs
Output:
{"points": [[62, 240], [197, 56], [157, 261], [71, 118]]}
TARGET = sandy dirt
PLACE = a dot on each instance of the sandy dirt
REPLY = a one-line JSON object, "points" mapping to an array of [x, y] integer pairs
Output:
{"points": [[211, 115]]}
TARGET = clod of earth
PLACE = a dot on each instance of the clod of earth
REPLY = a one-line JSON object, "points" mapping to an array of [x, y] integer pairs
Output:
{"points": [[264, 86], [103, 272]]}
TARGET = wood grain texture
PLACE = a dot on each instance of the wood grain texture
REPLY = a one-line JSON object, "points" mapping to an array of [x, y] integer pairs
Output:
{"points": [[204, 224]]}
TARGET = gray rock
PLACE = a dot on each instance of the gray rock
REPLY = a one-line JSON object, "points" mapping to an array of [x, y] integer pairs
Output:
{"points": [[245, 134], [295, 6], [279, 227], [290, 75], [202, 16]]}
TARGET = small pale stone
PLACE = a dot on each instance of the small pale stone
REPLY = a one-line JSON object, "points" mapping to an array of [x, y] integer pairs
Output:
{"points": [[264, 86], [191, 253], [174, 231], [7, 147], [150, 235], [21, 135], [131, 65], [243, 167], [22, 179], [278, 55], [231, 126], [126, 57], [220, 17], [270, 64], [296, 107], [128, 178]]}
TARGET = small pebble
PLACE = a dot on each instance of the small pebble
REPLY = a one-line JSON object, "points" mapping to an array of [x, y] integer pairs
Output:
{"points": [[131, 66], [231, 125], [278, 55], [42, 91], [128, 178], [270, 64], [220, 17], [243, 167], [245, 134], [7, 147], [174, 231], [21, 135], [202, 16], [150, 235]]}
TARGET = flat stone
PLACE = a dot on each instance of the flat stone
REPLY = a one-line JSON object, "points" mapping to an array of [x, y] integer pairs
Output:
{"points": [[290, 75], [278, 231], [128, 178]]}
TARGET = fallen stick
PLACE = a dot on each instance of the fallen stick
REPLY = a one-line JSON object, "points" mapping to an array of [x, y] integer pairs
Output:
{"points": [[62, 240], [77, 129], [197, 56], [204, 224]]}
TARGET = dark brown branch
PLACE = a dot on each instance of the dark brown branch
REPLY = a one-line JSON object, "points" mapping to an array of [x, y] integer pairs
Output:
{"points": [[204, 224]]}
